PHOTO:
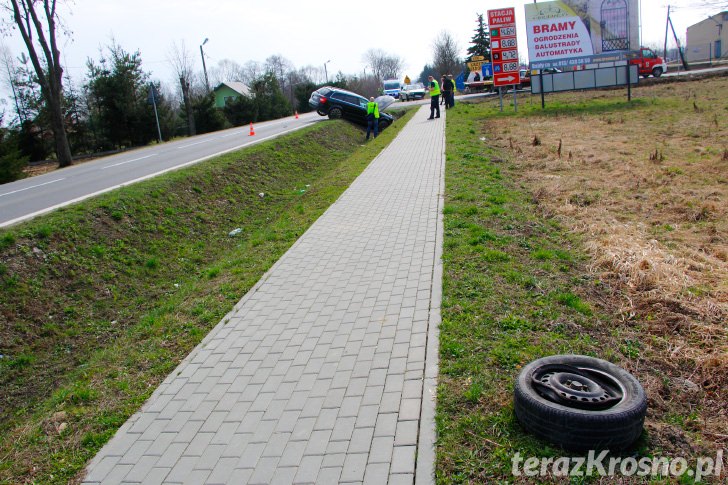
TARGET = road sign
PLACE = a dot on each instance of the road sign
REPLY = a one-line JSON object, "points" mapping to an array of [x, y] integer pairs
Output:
{"points": [[475, 66], [504, 46], [506, 78], [487, 69], [477, 58]]}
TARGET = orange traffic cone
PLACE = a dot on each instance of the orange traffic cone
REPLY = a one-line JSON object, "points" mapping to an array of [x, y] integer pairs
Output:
{"points": [[296, 114], [252, 131]]}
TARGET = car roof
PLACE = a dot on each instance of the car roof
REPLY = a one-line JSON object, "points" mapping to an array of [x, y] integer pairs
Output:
{"points": [[339, 90]]}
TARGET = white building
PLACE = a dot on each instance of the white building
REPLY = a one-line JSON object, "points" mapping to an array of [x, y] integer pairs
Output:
{"points": [[708, 40]]}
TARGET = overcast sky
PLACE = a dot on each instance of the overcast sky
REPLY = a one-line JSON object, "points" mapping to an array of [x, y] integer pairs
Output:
{"points": [[306, 33]]}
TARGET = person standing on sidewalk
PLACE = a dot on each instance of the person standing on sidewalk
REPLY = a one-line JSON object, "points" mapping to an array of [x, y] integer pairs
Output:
{"points": [[434, 89], [446, 91], [372, 117], [443, 98], [452, 89]]}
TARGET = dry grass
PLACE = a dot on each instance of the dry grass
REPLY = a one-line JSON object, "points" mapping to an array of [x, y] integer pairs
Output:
{"points": [[647, 189]]}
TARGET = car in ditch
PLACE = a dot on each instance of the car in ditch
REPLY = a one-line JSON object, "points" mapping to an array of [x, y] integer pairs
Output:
{"points": [[412, 91], [337, 103]]}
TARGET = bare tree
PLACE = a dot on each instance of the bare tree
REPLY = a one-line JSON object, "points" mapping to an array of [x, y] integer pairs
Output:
{"points": [[251, 71], [9, 73], [182, 62], [383, 65], [227, 70], [280, 67], [445, 54], [313, 73], [366, 85], [38, 30]]}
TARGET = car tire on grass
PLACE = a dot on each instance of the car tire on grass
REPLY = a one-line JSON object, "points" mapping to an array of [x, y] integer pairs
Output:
{"points": [[383, 124], [657, 72], [580, 402], [335, 113]]}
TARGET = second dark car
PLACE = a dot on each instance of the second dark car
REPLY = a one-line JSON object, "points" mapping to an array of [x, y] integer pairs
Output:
{"points": [[338, 103]]}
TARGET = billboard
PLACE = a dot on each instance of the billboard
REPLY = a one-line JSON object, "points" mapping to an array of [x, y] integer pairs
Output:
{"points": [[569, 33]]}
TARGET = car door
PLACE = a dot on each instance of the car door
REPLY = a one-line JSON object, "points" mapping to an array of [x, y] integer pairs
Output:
{"points": [[353, 107], [359, 109]]}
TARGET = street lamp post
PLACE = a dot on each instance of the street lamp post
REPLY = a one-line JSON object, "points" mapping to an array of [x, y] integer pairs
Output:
{"points": [[326, 73], [204, 68]]}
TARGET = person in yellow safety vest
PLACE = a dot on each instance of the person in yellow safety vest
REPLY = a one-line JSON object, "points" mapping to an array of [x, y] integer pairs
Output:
{"points": [[434, 98], [372, 117]]}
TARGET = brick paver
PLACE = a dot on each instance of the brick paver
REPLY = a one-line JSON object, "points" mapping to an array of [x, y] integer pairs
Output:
{"points": [[325, 371]]}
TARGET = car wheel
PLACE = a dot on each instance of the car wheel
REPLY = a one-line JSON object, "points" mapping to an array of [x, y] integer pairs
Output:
{"points": [[335, 113], [321, 113], [657, 72], [580, 402], [383, 124]]}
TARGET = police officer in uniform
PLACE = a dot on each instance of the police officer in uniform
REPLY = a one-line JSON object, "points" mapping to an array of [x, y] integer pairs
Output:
{"points": [[434, 98], [372, 117]]}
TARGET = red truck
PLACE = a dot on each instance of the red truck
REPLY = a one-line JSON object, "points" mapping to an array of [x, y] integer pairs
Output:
{"points": [[647, 62]]}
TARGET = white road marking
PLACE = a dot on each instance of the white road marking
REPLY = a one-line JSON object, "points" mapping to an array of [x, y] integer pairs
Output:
{"points": [[128, 161], [32, 187], [170, 169], [196, 143]]}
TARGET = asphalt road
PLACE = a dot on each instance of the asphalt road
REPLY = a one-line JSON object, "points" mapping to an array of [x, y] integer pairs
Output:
{"points": [[30, 197], [27, 198]]}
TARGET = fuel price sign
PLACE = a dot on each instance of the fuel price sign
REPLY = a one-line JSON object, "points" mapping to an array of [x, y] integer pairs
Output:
{"points": [[504, 46]]}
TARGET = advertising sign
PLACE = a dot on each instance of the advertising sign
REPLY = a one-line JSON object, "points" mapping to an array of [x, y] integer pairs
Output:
{"points": [[569, 33], [475, 65], [504, 46]]}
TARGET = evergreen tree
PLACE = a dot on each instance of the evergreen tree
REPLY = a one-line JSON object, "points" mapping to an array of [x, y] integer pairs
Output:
{"points": [[76, 117], [428, 70], [118, 89], [207, 117], [12, 162], [269, 99], [480, 43], [301, 94], [34, 136], [240, 111]]}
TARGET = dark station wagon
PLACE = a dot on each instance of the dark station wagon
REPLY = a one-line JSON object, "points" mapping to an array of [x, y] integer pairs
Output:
{"points": [[338, 103]]}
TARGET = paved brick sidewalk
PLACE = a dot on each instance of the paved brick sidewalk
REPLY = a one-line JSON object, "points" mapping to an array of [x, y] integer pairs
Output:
{"points": [[318, 374]]}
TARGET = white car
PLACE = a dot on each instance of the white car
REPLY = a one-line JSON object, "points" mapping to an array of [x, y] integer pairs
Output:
{"points": [[412, 91]]}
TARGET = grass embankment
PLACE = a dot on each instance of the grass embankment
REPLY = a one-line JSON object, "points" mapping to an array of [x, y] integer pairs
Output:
{"points": [[596, 227], [101, 300]]}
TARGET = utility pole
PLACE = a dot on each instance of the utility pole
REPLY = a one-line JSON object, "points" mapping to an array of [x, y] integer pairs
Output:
{"points": [[204, 68], [153, 95], [188, 105], [677, 41], [667, 27], [326, 73]]}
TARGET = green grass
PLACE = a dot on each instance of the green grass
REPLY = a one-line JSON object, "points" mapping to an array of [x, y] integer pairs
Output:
{"points": [[101, 300], [514, 290]]}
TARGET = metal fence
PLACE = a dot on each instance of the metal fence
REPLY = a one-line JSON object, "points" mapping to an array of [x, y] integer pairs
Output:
{"points": [[710, 52]]}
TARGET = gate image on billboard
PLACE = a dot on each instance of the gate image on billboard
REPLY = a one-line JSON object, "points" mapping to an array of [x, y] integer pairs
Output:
{"points": [[615, 25]]}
